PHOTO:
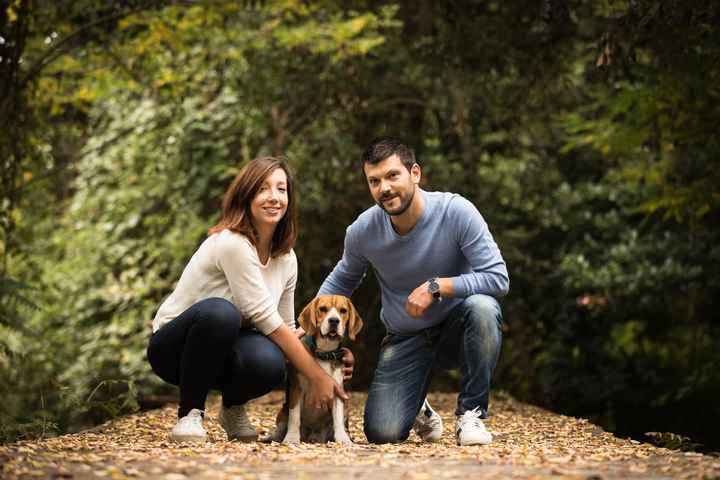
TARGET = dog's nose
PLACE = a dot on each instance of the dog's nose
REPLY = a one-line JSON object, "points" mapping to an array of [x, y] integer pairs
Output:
{"points": [[334, 321]]}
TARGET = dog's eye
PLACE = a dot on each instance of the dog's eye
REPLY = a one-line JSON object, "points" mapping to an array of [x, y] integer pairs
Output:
{"points": [[323, 309], [343, 311]]}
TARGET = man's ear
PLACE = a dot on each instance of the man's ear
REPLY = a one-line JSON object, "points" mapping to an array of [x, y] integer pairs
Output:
{"points": [[355, 323], [416, 173], [308, 318]]}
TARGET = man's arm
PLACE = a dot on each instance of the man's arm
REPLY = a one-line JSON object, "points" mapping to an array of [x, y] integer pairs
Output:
{"points": [[349, 271], [489, 274], [343, 280]]}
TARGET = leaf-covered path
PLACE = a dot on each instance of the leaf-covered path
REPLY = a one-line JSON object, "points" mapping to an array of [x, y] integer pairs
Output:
{"points": [[529, 443]]}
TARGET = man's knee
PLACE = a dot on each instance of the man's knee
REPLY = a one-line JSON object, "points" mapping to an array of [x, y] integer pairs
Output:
{"points": [[483, 311], [385, 431]]}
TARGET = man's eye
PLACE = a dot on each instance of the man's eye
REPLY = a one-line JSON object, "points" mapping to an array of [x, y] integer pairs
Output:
{"points": [[323, 309]]}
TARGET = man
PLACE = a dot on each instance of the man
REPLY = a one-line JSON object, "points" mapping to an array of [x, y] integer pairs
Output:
{"points": [[439, 271]]}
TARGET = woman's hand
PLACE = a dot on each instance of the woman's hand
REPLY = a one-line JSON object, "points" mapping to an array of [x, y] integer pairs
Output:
{"points": [[348, 361], [322, 387], [323, 390]]}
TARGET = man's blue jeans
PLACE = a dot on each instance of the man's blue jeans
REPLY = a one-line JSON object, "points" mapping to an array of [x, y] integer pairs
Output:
{"points": [[469, 338]]}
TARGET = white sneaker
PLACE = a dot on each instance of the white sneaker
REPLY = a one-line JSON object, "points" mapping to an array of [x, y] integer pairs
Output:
{"points": [[470, 429], [237, 424], [189, 428], [428, 424]]}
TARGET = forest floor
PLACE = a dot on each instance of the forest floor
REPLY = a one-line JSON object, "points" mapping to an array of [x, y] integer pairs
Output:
{"points": [[529, 443]]}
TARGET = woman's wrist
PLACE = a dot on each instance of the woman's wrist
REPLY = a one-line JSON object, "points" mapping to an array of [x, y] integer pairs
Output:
{"points": [[317, 374]]}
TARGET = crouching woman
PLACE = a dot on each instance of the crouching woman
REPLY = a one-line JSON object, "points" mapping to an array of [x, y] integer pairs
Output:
{"points": [[229, 324]]}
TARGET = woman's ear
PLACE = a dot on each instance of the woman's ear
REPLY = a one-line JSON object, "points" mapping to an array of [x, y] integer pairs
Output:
{"points": [[308, 318], [355, 323]]}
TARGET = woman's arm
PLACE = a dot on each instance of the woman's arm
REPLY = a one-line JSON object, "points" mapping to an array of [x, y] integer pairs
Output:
{"points": [[238, 260], [322, 387]]}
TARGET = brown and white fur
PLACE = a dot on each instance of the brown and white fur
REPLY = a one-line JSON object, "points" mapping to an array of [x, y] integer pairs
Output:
{"points": [[328, 318]]}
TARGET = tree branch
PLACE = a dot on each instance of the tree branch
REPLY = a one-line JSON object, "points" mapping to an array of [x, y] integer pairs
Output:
{"points": [[64, 45]]}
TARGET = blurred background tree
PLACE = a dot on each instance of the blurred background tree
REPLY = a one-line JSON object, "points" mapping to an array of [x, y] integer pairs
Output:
{"points": [[584, 131]]}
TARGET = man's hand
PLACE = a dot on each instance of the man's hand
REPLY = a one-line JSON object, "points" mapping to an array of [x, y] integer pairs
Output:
{"points": [[419, 301], [348, 361]]}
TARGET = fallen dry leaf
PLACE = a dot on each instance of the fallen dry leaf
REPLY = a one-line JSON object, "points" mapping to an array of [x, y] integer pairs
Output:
{"points": [[529, 443]]}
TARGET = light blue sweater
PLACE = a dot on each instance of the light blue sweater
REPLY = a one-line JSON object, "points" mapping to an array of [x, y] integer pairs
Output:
{"points": [[451, 239]]}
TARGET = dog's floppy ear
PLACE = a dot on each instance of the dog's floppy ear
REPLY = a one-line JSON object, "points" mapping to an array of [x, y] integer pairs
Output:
{"points": [[308, 318], [355, 323]]}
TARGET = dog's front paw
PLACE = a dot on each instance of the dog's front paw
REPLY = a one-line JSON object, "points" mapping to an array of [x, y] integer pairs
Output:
{"points": [[292, 438], [343, 438]]}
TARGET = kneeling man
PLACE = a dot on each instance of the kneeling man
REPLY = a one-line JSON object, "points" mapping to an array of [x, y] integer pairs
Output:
{"points": [[440, 272]]}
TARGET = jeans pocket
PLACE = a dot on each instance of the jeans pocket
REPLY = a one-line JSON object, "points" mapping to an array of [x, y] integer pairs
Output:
{"points": [[386, 341]]}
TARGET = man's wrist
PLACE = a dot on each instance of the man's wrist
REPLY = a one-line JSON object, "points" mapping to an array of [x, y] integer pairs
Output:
{"points": [[446, 287], [434, 289]]}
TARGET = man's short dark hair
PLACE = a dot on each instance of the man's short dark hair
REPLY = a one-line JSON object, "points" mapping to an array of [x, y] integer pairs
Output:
{"points": [[384, 147]]}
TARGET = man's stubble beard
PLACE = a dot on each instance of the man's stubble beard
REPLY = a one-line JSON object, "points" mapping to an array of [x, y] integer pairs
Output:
{"points": [[405, 202]]}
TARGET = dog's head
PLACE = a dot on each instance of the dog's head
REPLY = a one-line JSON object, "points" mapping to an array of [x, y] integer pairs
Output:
{"points": [[331, 316]]}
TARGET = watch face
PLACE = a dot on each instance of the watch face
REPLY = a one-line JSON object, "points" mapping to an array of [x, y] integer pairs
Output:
{"points": [[433, 286]]}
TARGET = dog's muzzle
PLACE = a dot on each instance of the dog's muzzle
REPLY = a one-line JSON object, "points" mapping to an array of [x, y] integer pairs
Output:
{"points": [[333, 323]]}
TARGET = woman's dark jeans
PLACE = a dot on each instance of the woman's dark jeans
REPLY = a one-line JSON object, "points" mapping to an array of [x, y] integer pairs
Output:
{"points": [[204, 348]]}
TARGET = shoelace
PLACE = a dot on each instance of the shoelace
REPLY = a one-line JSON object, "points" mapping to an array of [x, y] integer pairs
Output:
{"points": [[428, 422], [433, 421], [193, 418], [473, 417]]}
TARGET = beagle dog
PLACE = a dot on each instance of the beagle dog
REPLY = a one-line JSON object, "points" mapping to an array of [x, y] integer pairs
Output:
{"points": [[326, 320]]}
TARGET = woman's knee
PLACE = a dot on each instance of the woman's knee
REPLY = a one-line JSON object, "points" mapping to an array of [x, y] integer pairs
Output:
{"points": [[220, 313], [257, 355]]}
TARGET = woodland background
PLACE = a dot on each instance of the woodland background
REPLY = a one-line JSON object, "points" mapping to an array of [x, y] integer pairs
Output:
{"points": [[586, 132]]}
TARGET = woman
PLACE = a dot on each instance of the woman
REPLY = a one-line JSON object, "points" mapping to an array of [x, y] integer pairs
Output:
{"points": [[230, 318]]}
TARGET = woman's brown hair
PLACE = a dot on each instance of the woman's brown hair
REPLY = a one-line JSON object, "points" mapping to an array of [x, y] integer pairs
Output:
{"points": [[236, 214]]}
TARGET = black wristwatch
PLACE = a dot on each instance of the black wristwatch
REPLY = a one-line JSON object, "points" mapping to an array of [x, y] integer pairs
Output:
{"points": [[434, 289]]}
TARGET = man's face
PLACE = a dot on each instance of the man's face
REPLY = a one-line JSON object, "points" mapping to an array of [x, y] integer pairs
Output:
{"points": [[391, 185]]}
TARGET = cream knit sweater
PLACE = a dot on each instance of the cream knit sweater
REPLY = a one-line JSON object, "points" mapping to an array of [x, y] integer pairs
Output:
{"points": [[227, 265]]}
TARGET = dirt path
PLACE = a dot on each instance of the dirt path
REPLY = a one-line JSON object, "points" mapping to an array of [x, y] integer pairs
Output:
{"points": [[530, 443]]}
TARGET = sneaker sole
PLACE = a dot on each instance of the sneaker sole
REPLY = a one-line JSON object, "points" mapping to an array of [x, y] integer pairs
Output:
{"points": [[479, 442], [187, 438], [243, 438]]}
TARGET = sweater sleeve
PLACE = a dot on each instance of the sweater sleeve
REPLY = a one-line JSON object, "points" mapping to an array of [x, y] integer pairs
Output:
{"points": [[286, 306], [489, 273], [349, 271], [238, 259]]}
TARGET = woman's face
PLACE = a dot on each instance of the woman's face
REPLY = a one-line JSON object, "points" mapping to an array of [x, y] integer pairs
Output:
{"points": [[271, 200]]}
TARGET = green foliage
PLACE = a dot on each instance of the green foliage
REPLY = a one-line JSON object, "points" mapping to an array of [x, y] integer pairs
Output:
{"points": [[588, 144], [672, 441]]}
